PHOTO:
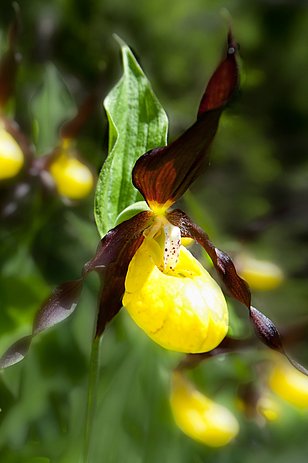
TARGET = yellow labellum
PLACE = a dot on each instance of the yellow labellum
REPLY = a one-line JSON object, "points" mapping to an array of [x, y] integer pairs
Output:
{"points": [[11, 156], [181, 309], [289, 384], [199, 417], [73, 179]]}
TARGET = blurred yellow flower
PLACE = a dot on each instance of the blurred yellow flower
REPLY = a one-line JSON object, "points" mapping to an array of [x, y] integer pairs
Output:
{"points": [[268, 408], [261, 275], [73, 179], [179, 306], [289, 384], [199, 417], [11, 155]]}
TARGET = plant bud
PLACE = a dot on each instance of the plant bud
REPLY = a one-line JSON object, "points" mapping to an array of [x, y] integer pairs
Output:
{"points": [[199, 417]]}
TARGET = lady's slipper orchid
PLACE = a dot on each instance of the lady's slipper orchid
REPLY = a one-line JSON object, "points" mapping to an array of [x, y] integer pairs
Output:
{"points": [[165, 290], [199, 417]]}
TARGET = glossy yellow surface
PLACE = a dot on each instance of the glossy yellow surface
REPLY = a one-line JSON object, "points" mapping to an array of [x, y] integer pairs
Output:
{"points": [[183, 309], [73, 179], [11, 156], [199, 417], [289, 384]]}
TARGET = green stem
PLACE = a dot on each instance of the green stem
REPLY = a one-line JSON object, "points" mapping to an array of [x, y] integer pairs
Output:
{"points": [[91, 397]]}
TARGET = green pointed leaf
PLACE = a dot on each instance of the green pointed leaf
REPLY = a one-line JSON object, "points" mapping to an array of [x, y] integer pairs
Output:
{"points": [[50, 107], [137, 123]]}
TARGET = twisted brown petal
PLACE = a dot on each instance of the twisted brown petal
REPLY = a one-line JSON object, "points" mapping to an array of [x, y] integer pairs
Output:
{"points": [[162, 175], [234, 283], [238, 288], [111, 261]]}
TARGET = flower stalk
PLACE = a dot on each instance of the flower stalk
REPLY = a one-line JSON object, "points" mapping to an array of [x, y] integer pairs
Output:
{"points": [[91, 397]]}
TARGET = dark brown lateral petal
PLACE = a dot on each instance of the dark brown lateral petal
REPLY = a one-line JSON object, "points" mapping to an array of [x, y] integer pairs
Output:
{"points": [[16, 352], [239, 289], [162, 175], [222, 262], [60, 305], [113, 284], [121, 237], [111, 262]]}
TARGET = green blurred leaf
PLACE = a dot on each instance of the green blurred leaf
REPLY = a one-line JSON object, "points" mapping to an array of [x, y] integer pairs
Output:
{"points": [[137, 123], [50, 107]]}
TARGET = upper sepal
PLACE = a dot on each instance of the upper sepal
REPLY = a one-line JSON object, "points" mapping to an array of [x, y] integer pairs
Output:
{"points": [[162, 175], [223, 83]]}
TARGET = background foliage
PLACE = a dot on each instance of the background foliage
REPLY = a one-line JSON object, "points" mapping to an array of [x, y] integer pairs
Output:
{"points": [[253, 197]]}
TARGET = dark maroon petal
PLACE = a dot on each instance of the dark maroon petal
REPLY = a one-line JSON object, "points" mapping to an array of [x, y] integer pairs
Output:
{"points": [[60, 305], [9, 63], [16, 352], [112, 258], [270, 336], [162, 175], [222, 262], [113, 285], [266, 330], [119, 238]]}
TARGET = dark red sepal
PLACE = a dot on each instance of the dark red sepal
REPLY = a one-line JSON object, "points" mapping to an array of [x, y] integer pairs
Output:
{"points": [[162, 175], [222, 262], [223, 83], [60, 305]]}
